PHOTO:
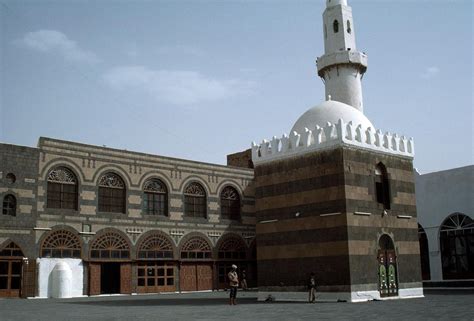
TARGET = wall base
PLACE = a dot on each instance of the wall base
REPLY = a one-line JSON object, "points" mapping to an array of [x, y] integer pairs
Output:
{"points": [[357, 296]]}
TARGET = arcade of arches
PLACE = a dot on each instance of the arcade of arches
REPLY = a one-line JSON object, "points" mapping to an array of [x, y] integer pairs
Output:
{"points": [[155, 264], [456, 244]]}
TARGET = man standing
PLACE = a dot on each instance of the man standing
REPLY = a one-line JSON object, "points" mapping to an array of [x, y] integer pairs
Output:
{"points": [[233, 284], [312, 287]]}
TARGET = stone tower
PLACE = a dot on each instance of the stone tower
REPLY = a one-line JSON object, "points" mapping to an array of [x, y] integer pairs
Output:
{"points": [[342, 66], [336, 197]]}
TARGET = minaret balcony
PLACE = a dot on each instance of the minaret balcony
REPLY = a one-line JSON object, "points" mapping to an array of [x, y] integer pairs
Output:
{"points": [[343, 57]]}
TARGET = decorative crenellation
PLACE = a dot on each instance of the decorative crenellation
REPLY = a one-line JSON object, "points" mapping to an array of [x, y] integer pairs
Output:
{"points": [[328, 136]]}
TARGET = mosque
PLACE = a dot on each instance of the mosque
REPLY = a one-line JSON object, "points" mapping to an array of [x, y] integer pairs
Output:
{"points": [[335, 197]]}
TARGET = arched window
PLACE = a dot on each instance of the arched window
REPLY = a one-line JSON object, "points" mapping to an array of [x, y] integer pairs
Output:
{"points": [[196, 248], [325, 32], [61, 244], [155, 201], [156, 246], [9, 205], [232, 248], [10, 270], [457, 247], [62, 189], [424, 253], [11, 250], [195, 203], [335, 26], [349, 30], [111, 193], [230, 203], [11, 178], [110, 246], [382, 188]]}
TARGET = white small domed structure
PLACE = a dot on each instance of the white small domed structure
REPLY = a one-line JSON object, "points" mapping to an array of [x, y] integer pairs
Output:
{"points": [[330, 111], [61, 280]]}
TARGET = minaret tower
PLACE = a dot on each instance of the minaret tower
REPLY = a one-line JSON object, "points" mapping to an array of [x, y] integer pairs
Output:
{"points": [[342, 66]]}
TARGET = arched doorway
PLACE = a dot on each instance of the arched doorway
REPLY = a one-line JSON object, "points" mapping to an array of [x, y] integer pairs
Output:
{"points": [[196, 265], [110, 267], [457, 247], [231, 250], [11, 258], [424, 253], [387, 271], [156, 266]]}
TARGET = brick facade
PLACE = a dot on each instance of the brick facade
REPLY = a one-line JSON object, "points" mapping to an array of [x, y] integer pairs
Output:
{"points": [[319, 213], [34, 220]]}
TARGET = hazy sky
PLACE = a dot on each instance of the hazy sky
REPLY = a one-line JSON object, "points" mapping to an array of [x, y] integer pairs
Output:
{"points": [[202, 79]]}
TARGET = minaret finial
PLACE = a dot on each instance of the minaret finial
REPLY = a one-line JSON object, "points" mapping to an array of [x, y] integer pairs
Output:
{"points": [[330, 3], [341, 66]]}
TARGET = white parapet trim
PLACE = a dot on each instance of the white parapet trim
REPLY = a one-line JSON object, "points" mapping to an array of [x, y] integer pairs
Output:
{"points": [[328, 136]]}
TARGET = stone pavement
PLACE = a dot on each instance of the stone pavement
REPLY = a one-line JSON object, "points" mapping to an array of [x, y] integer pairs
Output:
{"points": [[213, 306]]}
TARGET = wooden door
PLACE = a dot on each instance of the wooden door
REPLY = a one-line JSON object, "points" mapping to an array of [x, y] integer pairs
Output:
{"points": [[388, 283], [126, 278], [204, 277], [10, 278], [94, 278], [188, 281]]}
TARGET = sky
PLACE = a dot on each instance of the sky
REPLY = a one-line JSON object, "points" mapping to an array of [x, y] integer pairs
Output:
{"points": [[202, 79]]}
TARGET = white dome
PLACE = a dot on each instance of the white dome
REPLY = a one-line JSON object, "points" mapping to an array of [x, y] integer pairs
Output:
{"points": [[330, 111]]}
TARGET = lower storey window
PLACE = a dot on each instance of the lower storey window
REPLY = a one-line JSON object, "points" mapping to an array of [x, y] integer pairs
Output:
{"points": [[155, 277], [10, 275]]}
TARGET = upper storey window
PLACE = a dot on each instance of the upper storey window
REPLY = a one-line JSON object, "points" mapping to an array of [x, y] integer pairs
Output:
{"points": [[335, 26], [62, 189], [155, 200], [382, 186], [349, 30], [230, 203], [11, 178], [195, 203], [111, 193], [9, 205]]}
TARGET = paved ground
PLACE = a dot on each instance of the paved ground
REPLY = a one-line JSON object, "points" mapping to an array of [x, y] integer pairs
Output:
{"points": [[213, 306]]}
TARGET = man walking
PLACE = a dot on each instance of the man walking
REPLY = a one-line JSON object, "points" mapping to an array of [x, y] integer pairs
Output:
{"points": [[233, 284]]}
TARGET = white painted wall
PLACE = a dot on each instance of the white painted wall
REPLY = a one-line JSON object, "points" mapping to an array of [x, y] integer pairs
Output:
{"points": [[438, 195], [45, 277]]}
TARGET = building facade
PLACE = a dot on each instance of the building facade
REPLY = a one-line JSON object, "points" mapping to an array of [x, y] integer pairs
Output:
{"points": [[122, 222], [337, 197], [445, 207]]}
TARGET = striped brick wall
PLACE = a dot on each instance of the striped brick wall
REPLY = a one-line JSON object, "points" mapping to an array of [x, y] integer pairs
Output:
{"points": [[318, 212], [293, 239]]}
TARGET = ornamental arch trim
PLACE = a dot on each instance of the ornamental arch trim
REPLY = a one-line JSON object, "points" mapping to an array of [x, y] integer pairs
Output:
{"points": [[194, 179], [195, 242], [10, 249], [110, 244], [156, 245], [63, 162], [111, 168], [61, 243], [62, 175], [155, 175], [456, 221], [232, 183], [231, 246]]}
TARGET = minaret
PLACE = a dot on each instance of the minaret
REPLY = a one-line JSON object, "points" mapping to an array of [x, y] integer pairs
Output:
{"points": [[342, 66]]}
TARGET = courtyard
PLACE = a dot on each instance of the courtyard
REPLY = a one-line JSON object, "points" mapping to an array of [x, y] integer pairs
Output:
{"points": [[213, 306]]}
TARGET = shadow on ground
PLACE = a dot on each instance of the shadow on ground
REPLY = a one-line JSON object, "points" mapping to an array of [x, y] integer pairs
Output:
{"points": [[166, 302]]}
